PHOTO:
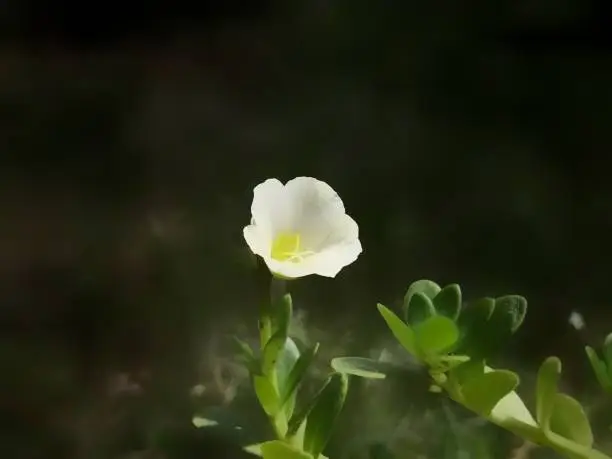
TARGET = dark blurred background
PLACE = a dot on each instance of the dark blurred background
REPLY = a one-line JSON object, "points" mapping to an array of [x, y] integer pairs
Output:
{"points": [[469, 140]]}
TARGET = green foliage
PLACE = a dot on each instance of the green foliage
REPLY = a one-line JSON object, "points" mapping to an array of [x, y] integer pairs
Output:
{"points": [[360, 366], [266, 394], [435, 325], [570, 421], [482, 393], [448, 301], [402, 332], [602, 367], [277, 375], [426, 287], [418, 309], [436, 335], [276, 449], [452, 342], [298, 373], [546, 390], [323, 415], [487, 324]]}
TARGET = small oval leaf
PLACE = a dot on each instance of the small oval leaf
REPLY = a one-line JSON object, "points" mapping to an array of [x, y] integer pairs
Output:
{"points": [[481, 394], [546, 390], [570, 421], [419, 309], [472, 324], [448, 301], [429, 288], [436, 335], [510, 310]]}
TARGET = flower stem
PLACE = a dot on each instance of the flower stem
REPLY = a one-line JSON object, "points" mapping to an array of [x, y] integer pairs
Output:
{"points": [[267, 327], [278, 288]]}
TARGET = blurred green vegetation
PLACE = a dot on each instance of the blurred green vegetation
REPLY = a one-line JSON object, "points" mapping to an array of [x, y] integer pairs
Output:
{"points": [[127, 178]]}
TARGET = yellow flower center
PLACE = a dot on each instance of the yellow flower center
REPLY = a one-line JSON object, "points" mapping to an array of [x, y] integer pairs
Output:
{"points": [[286, 247]]}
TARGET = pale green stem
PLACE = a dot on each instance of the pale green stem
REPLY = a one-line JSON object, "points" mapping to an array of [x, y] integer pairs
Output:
{"points": [[277, 290]]}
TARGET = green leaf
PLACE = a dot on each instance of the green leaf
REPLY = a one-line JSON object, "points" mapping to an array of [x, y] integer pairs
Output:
{"points": [[418, 309], [487, 324], [511, 407], [472, 369], [546, 390], [278, 449], [272, 352], [429, 288], [607, 350], [448, 301], [359, 366], [570, 421], [507, 316], [481, 394], [256, 450], [402, 332], [510, 310], [472, 325], [299, 370], [324, 413], [600, 369], [287, 358], [436, 335], [266, 394]]}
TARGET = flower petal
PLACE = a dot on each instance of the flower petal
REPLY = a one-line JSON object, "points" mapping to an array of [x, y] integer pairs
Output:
{"points": [[258, 240], [314, 192], [271, 210], [318, 208], [341, 249]]}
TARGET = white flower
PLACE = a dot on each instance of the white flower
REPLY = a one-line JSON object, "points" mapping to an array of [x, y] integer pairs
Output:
{"points": [[301, 228]]}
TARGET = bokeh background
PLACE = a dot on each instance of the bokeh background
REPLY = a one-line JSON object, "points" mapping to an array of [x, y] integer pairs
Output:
{"points": [[469, 140]]}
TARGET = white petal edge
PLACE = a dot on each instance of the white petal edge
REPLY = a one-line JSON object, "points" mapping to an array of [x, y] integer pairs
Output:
{"points": [[258, 240], [270, 209], [300, 188]]}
